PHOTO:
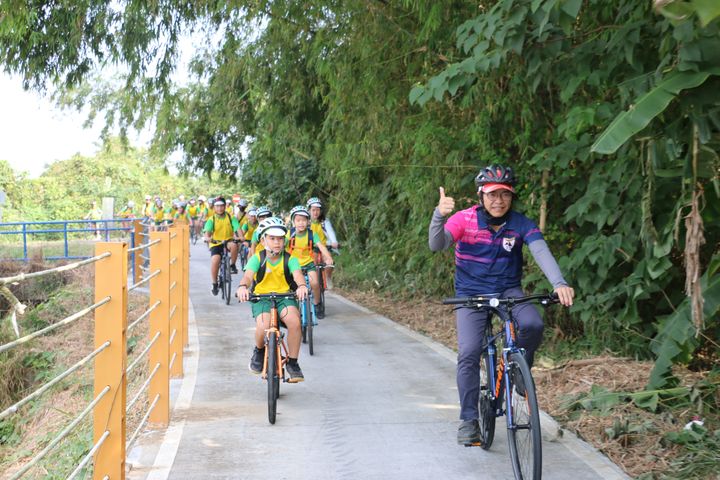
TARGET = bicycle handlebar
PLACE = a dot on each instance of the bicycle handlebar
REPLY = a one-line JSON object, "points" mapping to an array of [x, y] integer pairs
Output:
{"points": [[489, 301], [271, 296]]}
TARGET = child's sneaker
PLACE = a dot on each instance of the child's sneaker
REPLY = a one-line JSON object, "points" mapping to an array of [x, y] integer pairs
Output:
{"points": [[294, 372]]}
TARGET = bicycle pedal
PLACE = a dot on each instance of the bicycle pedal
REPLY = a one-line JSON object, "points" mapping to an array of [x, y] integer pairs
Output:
{"points": [[474, 444]]}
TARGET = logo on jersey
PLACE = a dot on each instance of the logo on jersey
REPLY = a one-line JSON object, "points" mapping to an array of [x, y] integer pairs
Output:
{"points": [[508, 243]]}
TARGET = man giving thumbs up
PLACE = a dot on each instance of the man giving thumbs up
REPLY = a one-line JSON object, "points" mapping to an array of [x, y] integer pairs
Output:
{"points": [[488, 261]]}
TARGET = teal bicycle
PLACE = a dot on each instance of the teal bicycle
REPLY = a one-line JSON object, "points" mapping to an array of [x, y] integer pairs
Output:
{"points": [[308, 316]]}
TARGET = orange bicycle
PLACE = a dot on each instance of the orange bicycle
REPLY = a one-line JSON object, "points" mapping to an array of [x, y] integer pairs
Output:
{"points": [[276, 352]]}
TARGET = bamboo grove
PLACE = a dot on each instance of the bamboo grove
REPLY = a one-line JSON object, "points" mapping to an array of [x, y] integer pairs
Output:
{"points": [[609, 111]]}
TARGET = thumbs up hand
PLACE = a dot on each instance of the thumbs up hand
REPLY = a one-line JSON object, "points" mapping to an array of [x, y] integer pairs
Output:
{"points": [[446, 204]]}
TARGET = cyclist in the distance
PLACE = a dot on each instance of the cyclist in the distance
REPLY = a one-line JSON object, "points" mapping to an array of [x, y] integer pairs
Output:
{"points": [[220, 227], [488, 261]]}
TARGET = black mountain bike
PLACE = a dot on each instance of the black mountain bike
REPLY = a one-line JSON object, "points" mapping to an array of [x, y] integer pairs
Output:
{"points": [[224, 276], [507, 388]]}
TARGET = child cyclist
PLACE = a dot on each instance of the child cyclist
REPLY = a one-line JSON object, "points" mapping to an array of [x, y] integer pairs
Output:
{"points": [[256, 245], [321, 225], [302, 242], [220, 227], [248, 229], [277, 266], [488, 261]]}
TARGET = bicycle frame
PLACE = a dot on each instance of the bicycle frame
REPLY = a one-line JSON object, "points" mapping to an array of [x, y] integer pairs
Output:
{"points": [[274, 327], [311, 313], [499, 374]]}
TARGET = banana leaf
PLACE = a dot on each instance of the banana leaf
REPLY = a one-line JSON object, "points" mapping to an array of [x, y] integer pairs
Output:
{"points": [[647, 107]]}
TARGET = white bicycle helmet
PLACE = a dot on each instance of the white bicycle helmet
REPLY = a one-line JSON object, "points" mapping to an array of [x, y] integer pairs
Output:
{"points": [[252, 213], [130, 204], [272, 226], [202, 198], [264, 211], [314, 202], [243, 202], [299, 210]]}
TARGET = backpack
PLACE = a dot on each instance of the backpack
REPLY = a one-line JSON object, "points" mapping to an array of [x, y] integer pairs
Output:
{"points": [[310, 234], [286, 270]]}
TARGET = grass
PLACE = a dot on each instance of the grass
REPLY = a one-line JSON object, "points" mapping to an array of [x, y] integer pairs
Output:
{"points": [[27, 367]]}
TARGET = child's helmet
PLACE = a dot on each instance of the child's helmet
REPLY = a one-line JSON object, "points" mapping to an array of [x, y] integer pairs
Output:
{"points": [[299, 210], [314, 202], [272, 226], [264, 211]]}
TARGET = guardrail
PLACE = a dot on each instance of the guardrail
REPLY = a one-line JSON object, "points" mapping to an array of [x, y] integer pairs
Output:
{"points": [[62, 229], [168, 280]]}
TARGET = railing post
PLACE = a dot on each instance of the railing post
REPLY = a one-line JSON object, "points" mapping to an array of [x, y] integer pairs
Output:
{"points": [[65, 235], [160, 290], [186, 283], [110, 365], [176, 334], [137, 241], [25, 249]]}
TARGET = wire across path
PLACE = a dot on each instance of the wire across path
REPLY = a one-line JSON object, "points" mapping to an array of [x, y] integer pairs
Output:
{"points": [[378, 402]]}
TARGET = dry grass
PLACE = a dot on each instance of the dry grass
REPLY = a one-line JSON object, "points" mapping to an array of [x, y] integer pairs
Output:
{"points": [[636, 453], [46, 417]]}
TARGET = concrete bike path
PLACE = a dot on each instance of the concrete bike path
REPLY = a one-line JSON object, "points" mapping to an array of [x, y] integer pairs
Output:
{"points": [[378, 402]]}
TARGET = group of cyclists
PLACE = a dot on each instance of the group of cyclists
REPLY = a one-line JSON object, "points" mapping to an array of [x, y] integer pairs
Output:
{"points": [[277, 251], [488, 239]]}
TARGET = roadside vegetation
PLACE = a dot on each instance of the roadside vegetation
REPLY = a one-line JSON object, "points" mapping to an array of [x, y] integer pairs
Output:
{"points": [[26, 368], [609, 111]]}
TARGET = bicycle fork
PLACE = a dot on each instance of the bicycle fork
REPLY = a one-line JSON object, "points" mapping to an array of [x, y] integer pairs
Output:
{"points": [[281, 348]]}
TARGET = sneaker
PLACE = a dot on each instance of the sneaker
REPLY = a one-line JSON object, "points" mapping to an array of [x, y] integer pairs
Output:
{"points": [[215, 289], [468, 432], [233, 269], [328, 284], [257, 360], [320, 310], [294, 372]]}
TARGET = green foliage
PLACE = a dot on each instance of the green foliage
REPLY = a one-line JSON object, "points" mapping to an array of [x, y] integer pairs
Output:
{"points": [[373, 106], [66, 188]]}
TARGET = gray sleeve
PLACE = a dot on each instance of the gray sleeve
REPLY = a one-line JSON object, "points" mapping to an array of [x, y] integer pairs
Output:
{"points": [[329, 231], [546, 262], [438, 237]]}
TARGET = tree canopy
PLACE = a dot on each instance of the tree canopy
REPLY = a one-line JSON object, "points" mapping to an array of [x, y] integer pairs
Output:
{"points": [[609, 111]]}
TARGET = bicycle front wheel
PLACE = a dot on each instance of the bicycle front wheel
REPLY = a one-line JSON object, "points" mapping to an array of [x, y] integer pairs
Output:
{"points": [[524, 433], [309, 328], [272, 376], [227, 282], [486, 405]]}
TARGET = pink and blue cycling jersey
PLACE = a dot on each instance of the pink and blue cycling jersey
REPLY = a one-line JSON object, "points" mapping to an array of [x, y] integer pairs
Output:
{"points": [[487, 261]]}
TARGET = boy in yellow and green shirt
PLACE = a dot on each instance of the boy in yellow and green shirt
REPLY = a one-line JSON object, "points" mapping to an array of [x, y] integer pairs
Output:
{"points": [[274, 271], [302, 244]]}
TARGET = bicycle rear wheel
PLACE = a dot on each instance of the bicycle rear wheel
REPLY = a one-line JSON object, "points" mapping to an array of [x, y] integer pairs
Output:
{"points": [[272, 377], [221, 277], [227, 281], [304, 320], [524, 433], [309, 326], [487, 403]]}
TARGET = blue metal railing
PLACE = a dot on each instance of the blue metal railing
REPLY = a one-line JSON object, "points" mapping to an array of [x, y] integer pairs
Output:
{"points": [[29, 231]]}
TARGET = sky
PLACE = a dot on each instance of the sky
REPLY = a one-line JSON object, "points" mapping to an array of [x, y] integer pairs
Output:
{"points": [[33, 132]]}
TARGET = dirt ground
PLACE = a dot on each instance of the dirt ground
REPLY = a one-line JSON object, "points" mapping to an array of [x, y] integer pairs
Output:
{"points": [[630, 436]]}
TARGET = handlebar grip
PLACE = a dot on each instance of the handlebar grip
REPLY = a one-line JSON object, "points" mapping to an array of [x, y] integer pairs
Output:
{"points": [[455, 300]]}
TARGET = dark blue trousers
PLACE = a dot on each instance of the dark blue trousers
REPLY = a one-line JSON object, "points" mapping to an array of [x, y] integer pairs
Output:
{"points": [[471, 340]]}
